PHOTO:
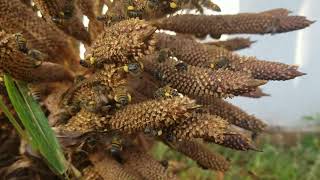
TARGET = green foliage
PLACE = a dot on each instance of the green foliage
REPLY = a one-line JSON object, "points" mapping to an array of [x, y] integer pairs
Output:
{"points": [[315, 117], [276, 162], [36, 125]]}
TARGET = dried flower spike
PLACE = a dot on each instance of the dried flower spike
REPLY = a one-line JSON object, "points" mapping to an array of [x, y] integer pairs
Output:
{"points": [[235, 115], [202, 155], [196, 81], [152, 114], [233, 44], [39, 34], [24, 66], [122, 43], [109, 168], [146, 166], [242, 23], [65, 15]]}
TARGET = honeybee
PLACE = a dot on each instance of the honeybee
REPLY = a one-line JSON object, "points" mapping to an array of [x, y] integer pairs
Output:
{"points": [[132, 12], [164, 54], [159, 75], [166, 92], [116, 148], [222, 62], [181, 66], [121, 96], [64, 15], [152, 132], [135, 68], [35, 92], [37, 56], [21, 43]]}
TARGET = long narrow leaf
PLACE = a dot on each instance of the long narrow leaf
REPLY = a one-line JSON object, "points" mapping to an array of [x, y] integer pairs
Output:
{"points": [[36, 124], [11, 118]]}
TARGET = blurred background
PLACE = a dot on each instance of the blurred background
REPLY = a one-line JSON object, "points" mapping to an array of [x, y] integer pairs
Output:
{"points": [[291, 102]]}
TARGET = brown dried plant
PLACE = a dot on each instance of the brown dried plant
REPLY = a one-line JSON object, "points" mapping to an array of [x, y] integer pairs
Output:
{"points": [[136, 85]]}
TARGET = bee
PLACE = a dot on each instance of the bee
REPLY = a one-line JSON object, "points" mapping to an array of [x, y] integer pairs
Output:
{"points": [[134, 68], [35, 92], [160, 76], [222, 62], [215, 36], [58, 20], [153, 132], [21, 43], [166, 92], [122, 97], [164, 54], [181, 66], [200, 36], [116, 148], [132, 12], [84, 63], [153, 4], [64, 15], [37, 56]]}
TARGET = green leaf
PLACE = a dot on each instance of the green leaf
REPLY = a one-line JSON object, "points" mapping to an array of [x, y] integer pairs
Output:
{"points": [[12, 120], [36, 124]]}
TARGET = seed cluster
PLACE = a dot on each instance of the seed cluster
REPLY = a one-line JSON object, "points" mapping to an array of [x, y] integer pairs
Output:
{"points": [[136, 85]]}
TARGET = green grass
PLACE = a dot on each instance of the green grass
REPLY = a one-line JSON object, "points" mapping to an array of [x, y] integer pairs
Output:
{"points": [[301, 161]]}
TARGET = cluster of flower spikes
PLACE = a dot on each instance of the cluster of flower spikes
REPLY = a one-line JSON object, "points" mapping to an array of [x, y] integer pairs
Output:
{"points": [[146, 86]]}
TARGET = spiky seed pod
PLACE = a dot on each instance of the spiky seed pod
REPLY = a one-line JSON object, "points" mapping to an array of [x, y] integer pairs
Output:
{"points": [[121, 43], [89, 173], [235, 140], [65, 15], [259, 69], [152, 114], [198, 5], [85, 121], [146, 166], [24, 66], [197, 54], [204, 157], [266, 70], [200, 125], [156, 9], [258, 93], [235, 115], [185, 49], [196, 81], [278, 12], [110, 169], [233, 44], [14, 61], [216, 25], [143, 9], [40, 35], [94, 92]]}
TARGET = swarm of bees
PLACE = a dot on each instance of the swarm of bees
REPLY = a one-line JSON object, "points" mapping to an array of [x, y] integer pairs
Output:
{"points": [[135, 85]]}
